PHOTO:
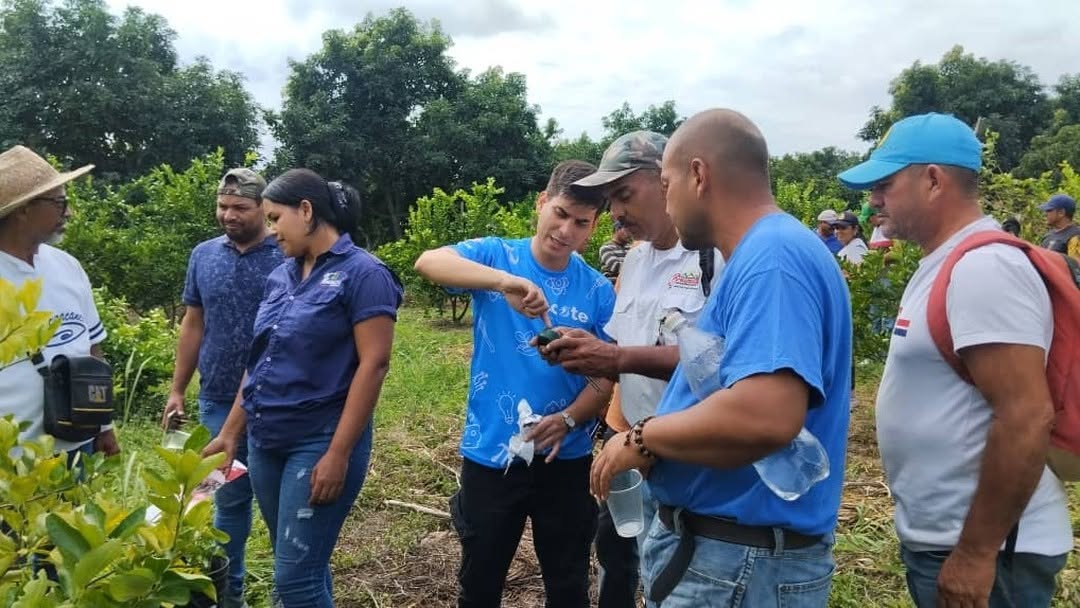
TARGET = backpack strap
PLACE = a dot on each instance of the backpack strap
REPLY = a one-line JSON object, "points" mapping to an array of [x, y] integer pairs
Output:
{"points": [[937, 318], [708, 269]]}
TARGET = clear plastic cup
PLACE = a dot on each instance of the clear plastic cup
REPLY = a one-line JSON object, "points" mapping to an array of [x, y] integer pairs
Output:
{"points": [[624, 503], [174, 440]]}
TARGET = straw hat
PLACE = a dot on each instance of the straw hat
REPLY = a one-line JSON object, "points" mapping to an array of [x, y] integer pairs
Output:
{"points": [[25, 176]]}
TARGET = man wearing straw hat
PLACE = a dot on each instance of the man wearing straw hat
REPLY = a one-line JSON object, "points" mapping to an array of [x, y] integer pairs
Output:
{"points": [[33, 213]]}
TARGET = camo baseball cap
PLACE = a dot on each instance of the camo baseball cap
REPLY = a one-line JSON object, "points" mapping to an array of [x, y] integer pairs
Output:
{"points": [[630, 152], [248, 184]]}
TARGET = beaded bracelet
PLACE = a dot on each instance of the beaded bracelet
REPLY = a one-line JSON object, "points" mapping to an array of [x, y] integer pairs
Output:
{"points": [[635, 434]]}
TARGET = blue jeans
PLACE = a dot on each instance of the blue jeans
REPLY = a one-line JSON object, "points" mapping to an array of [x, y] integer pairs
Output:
{"points": [[303, 535], [1027, 583], [232, 501], [726, 574], [83, 451]]}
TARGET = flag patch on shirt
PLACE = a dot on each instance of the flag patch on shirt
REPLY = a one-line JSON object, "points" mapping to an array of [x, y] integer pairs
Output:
{"points": [[901, 327]]}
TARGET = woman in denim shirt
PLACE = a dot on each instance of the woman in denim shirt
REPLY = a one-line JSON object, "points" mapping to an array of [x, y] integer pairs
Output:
{"points": [[320, 352]]}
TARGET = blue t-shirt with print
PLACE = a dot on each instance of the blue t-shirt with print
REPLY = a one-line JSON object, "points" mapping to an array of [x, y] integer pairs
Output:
{"points": [[228, 285], [506, 368], [781, 304]]}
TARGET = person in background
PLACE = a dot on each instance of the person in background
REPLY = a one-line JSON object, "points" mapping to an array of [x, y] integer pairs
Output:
{"points": [[825, 221], [1011, 225], [613, 252], [33, 213], [849, 232], [321, 349], [226, 277], [869, 216], [1064, 236]]}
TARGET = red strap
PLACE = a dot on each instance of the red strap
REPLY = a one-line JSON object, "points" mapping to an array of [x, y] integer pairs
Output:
{"points": [[937, 317]]}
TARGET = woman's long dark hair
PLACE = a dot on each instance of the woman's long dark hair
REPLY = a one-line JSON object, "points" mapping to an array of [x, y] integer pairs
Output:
{"points": [[334, 202]]}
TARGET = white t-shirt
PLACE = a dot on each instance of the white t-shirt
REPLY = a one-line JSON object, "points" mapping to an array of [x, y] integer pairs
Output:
{"points": [[66, 293], [853, 251], [653, 281], [932, 426]]}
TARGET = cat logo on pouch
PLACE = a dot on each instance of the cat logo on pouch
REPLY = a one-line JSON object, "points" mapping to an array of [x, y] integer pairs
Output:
{"points": [[97, 393]]}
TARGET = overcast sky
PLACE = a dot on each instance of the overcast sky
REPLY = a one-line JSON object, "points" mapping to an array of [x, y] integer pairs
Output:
{"points": [[807, 71]]}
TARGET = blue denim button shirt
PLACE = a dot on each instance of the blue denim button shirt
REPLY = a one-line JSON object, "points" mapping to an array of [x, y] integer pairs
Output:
{"points": [[228, 285], [303, 357]]}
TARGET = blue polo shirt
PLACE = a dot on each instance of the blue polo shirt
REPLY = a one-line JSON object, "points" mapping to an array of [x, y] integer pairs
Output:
{"points": [[781, 304], [303, 357], [506, 368], [832, 242], [228, 286]]}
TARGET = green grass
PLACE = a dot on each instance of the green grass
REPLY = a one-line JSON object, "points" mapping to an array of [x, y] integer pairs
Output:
{"points": [[391, 556]]}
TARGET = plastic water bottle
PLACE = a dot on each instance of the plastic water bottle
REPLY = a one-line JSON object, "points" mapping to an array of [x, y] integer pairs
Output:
{"points": [[788, 472], [699, 353], [791, 471]]}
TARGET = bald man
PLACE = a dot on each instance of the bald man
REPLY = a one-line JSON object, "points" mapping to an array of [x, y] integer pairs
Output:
{"points": [[722, 536]]}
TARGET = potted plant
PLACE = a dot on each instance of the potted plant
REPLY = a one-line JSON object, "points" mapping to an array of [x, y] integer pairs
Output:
{"points": [[69, 536]]}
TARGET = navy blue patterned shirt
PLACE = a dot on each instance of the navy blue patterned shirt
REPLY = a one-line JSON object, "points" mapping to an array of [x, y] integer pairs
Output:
{"points": [[303, 357], [228, 285]]}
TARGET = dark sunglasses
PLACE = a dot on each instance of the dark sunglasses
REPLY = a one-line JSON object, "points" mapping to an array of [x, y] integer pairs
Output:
{"points": [[59, 201]]}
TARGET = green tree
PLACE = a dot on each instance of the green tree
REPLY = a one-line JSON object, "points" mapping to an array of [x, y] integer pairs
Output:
{"points": [[487, 130], [662, 119], [582, 148], [90, 87], [349, 110], [820, 167], [135, 238], [1049, 150], [1068, 97], [1008, 95]]}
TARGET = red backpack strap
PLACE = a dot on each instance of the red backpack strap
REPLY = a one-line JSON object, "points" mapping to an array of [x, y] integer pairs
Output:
{"points": [[937, 317]]}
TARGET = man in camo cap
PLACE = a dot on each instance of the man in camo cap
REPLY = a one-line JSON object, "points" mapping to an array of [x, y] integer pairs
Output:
{"points": [[658, 275]]}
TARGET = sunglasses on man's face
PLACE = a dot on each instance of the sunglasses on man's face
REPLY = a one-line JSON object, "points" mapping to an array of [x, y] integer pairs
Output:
{"points": [[59, 201]]}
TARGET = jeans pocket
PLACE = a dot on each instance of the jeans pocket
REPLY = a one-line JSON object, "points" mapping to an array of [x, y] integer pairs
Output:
{"points": [[697, 589], [811, 594]]}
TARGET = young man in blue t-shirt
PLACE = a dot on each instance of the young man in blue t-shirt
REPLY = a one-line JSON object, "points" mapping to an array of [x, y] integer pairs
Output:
{"points": [[782, 308], [518, 287]]}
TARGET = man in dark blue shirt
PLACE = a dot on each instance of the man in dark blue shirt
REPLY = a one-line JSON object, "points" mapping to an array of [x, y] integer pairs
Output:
{"points": [[226, 277]]}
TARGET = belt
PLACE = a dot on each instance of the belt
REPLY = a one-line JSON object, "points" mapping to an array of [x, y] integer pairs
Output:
{"points": [[687, 525]]}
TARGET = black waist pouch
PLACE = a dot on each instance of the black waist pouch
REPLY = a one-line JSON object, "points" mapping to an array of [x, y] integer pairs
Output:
{"points": [[78, 396]]}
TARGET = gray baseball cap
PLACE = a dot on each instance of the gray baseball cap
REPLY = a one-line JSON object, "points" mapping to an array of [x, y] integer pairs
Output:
{"points": [[248, 183], [630, 152]]}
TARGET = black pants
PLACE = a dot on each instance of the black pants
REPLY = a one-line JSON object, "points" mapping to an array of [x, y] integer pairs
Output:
{"points": [[489, 514], [619, 562], [618, 557]]}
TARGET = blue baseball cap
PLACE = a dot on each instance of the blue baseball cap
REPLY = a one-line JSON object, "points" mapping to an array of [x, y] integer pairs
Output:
{"points": [[925, 139], [1059, 201]]}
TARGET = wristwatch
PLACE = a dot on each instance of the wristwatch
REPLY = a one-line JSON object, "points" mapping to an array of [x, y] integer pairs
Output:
{"points": [[570, 424]]}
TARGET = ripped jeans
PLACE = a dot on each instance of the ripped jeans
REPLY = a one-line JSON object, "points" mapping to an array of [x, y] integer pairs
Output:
{"points": [[303, 536]]}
